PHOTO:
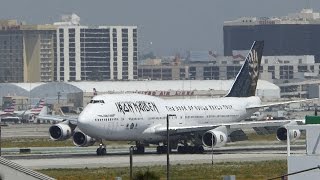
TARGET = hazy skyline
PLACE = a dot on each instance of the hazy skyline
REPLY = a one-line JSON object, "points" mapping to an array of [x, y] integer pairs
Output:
{"points": [[171, 26]]}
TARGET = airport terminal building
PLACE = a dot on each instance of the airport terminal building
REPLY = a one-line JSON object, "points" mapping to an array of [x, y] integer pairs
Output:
{"points": [[275, 69]]}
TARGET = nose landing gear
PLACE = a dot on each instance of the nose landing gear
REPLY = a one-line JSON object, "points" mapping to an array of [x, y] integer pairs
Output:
{"points": [[101, 151]]}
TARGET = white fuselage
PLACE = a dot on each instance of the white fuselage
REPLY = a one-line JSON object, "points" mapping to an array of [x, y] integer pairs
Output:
{"points": [[135, 116]]}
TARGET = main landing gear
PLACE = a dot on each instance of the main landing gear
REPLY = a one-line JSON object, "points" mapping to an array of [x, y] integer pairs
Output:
{"points": [[139, 149], [162, 149], [182, 149], [101, 151]]}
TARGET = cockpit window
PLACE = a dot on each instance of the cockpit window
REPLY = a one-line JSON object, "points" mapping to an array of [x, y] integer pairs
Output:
{"points": [[96, 101]]}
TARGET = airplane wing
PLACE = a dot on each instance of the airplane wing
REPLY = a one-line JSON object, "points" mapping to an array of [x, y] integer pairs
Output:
{"points": [[280, 103], [60, 118], [235, 125], [71, 119]]}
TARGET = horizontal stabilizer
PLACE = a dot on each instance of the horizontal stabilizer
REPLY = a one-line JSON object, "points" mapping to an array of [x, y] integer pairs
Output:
{"points": [[280, 103]]}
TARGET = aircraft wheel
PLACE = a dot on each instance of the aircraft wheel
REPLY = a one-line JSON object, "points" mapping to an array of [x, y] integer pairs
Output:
{"points": [[99, 151], [181, 149], [189, 149], [198, 149], [139, 150], [158, 149], [103, 151], [161, 149]]}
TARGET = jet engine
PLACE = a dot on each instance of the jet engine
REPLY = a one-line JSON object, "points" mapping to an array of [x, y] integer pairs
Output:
{"points": [[214, 138], [82, 140], [293, 134], [59, 132]]}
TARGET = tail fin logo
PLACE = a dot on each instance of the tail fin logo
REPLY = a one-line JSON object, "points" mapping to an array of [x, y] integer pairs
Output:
{"points": [[246, 81], [253, 63], [253, 69], [38, 107]]}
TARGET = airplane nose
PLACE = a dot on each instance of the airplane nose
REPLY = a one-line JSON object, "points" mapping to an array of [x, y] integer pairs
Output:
{"points": [[81, 119], [83, 122]]}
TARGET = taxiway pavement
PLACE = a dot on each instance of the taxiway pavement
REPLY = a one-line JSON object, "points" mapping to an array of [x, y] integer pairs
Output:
{"points": [[120, 157], [145, 160]]}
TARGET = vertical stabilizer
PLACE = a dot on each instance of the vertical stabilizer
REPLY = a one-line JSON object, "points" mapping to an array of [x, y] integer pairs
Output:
{"points": [[10, 108], [246, 80], [38, 107], [44, 111]]}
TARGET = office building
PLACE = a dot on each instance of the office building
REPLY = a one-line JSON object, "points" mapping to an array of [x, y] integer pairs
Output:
{"points": [[94, 52], [275, 69], [67, 51], [38, 52], [11, 52], [293, 35], [26, 52]]}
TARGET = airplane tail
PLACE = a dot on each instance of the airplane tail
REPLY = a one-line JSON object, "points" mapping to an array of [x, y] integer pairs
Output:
{"points": [[246, 80], [10, 108], [40, 106], [43, 111]]}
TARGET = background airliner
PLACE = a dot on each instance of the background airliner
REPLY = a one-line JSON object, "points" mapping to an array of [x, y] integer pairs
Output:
{"points": [[29, 113], [197, 122], [8, 111]]}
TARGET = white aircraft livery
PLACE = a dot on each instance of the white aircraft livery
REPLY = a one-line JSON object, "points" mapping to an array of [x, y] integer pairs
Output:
{"points": [[193, 123]]}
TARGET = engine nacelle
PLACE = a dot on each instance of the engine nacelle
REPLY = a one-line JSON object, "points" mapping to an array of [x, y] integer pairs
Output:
{"points": [[214, 138], [282, 134], [82, 140], [59, 132]]}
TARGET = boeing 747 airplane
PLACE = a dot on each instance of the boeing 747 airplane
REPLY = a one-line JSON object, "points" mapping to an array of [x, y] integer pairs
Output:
{"points": [[196, 123]]}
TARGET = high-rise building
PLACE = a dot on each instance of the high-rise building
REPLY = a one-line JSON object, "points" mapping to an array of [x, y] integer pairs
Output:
{"points": [[67, 51], [26, 52], [295, 34], [11, 52], [94, 53], [38, 52]]}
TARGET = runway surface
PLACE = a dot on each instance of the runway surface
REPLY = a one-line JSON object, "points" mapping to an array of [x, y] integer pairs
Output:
{"points": [[25, 130], [124, 150]]}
